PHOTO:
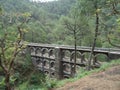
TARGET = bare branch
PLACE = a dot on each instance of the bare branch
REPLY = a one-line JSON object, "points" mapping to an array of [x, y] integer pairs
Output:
{"points": [[68, 25]]}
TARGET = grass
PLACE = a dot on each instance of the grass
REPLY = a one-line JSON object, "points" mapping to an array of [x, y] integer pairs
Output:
{"points": [[83, 73], [53, 83]]}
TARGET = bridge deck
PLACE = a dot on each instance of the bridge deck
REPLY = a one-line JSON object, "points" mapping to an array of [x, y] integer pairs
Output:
{"points": [[82, 48]]}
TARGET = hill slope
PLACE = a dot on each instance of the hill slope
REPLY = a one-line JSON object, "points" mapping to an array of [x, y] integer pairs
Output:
{"points": [[105, 80]]}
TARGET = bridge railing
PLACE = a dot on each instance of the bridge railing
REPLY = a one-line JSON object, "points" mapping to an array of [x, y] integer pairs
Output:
{"points": [[72, 47]]}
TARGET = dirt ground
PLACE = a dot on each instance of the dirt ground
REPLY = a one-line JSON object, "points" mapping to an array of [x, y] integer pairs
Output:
{"points": [[106, 80]]}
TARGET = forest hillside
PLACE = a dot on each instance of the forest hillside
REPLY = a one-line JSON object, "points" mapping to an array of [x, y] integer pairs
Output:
{"points": [[86, 23]]}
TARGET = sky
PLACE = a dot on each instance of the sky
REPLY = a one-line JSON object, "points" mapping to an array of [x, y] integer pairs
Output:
{"points": [[45, 0]]}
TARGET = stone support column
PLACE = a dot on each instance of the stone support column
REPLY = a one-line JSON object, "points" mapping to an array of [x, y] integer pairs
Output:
{"points": [[58, 63]]}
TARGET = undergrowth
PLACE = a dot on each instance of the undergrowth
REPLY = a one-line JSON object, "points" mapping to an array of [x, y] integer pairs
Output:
{"points": [[53, 83]]}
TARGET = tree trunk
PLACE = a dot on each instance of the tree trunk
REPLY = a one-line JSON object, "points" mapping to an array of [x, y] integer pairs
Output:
{"points": [[7, 81], [94, 41], [32, 36], [75, 47]]}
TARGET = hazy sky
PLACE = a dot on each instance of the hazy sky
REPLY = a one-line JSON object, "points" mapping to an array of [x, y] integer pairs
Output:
{"points": [[44, 0]]}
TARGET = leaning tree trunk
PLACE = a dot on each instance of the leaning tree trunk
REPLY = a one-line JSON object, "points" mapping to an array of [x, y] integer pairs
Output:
{"points": [[95, 38], [7, 75]]}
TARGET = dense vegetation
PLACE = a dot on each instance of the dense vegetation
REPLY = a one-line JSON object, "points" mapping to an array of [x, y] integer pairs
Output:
{"points": [[48, 21], [72, 22]]}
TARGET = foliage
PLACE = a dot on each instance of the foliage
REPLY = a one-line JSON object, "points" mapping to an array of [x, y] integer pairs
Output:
{"points": [[45, 24], [53, 22], [50, 82], [10, 45]]}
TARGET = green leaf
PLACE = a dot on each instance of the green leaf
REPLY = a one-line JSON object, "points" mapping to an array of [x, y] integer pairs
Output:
{"points": [[2, 82]]}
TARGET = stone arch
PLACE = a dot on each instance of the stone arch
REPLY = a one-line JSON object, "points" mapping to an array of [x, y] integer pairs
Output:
{"points": [[78, 57], [38, 51], [67, 55], [46, 72], [52, 64], [72, 56], [39, 63], [66, 67], [86, 57], [46, 63], [51, 53], [100, 57], [44, 52], [32, 50], [86, 54]]}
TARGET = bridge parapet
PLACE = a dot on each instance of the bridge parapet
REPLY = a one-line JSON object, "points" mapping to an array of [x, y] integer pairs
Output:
{"points": [[58, 61]]}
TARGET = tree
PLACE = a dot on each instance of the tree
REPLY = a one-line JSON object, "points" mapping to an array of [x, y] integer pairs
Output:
{"points": [[10, 46], [73, 28], [104, 15], [92, 9], [74, 24], [96, 33], [114, 4]]}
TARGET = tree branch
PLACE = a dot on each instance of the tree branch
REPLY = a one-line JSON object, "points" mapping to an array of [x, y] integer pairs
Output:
{"points": [[2, 66], [115, 11], [18, 46], [113, 43], [68, 25]]}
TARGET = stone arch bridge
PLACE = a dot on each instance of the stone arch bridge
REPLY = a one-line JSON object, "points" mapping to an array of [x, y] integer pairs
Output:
{"points": [[58, 60]]}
